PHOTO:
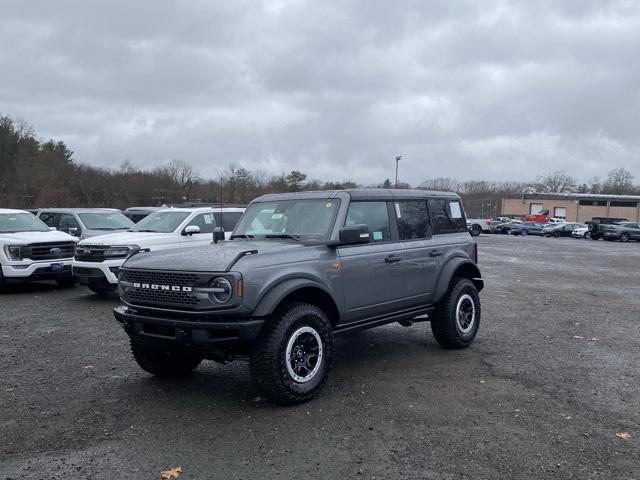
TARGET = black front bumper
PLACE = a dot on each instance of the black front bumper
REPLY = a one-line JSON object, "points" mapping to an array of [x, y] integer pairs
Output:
{"points": [[205, 334]]}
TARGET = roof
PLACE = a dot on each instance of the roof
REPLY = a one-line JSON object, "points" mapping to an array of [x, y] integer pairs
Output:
{"points": [[79, 210], [360, 194], [201, 209], [576, 196], [8, 210]]}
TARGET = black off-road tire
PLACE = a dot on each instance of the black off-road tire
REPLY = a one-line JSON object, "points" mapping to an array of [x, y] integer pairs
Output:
{"points": [[67, 281], [595, 236], [475, 230], [625, 237], [269, 358], [102, 290], [163, 364], [449, 332]]}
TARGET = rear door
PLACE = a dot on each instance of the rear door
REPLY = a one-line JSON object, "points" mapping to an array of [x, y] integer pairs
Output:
{"points": [[372, 274], [420, 254]]}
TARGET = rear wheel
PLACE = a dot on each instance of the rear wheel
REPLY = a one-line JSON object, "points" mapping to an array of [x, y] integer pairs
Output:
{"points": [[163, 364], [457, 318], [556, 234], [476, 230], [624, 237], [524, 232], [586, 235], [292, 356]]}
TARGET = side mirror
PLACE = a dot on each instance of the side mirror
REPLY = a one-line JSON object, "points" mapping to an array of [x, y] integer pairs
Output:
{"points": [[218, 234], [190, 230], [354, 234], [73, 231]]}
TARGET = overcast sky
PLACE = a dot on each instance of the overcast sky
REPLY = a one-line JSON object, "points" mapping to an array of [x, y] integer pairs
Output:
{"points": [[500, 90]]}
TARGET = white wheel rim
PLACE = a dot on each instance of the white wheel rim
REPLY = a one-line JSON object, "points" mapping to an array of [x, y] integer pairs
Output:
{"points": [[465, 314], [296, 353]]}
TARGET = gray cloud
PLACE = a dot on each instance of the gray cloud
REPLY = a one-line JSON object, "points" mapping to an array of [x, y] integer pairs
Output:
{"points": [[501, 90]]}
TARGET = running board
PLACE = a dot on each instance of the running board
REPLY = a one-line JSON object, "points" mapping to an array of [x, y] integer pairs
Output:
{"points": [[413, 315]]}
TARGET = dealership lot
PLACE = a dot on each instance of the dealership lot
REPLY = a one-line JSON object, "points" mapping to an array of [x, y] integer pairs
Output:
{"points": [[551, 378]]}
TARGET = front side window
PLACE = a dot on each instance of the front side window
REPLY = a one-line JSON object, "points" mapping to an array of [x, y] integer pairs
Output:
{"points": [[205, 221], [67, 222], [105, 221], [21, 222], [312, 219], [373, 214], [413, 220], [448, 216], [160, 222], [230, 220]]}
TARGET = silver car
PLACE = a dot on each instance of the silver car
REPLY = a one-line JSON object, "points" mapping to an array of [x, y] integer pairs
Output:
{"points": [[85, 222]]}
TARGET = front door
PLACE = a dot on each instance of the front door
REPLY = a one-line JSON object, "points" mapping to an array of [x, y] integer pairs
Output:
{"points": [[373, 275]]}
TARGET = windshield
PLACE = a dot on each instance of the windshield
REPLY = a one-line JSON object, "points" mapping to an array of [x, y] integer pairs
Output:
{"points": [[105, 221], [21, 222], [160, 222], [311, 219]]}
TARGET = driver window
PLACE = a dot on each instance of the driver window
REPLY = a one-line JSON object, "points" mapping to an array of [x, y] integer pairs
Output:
{"points": [[67, 222], [206, 222], [373, 214]]}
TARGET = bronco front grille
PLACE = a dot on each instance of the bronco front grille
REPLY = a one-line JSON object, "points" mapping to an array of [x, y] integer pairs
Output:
{"points": [[49, 250], [154, 288]]}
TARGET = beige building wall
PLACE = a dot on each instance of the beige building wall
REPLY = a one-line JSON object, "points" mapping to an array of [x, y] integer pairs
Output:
{"points": [[514, 207]]}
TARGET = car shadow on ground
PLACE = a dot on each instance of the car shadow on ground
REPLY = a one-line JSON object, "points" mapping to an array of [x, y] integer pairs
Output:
{"points": [[27, 288]]}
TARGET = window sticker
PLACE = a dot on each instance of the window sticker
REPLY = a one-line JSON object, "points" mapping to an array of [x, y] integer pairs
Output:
{"points": [[377, 236], [207, 219], [277, 216], [328, 205], [398, 210], [455, 210]]}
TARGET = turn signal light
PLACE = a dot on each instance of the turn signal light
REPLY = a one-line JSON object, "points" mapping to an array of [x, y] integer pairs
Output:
{"points": [[239, 288]]}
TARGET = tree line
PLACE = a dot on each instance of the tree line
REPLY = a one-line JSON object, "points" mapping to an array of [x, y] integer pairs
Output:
{"points": [[36, 174]]}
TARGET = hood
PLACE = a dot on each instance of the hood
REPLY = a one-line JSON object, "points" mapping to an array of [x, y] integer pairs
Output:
{"points": [[209, 258], [95, 233], [144, 239], [25, 238]]}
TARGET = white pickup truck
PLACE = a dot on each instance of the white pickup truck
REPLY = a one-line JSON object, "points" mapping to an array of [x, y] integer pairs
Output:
{"points": [[98, 259], [30, 250]]}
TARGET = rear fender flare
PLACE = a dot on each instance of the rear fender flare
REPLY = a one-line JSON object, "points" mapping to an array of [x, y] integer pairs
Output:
{"points": [[448, 272]]}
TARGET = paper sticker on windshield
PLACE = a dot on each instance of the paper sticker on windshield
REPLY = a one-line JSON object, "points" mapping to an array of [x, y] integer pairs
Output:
{"points": [[207, 219], [398, 210], [377, 236], [277, 216], [455, 210]]}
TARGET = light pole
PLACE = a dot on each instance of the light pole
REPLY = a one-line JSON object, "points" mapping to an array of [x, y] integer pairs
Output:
{"points": [[398, 158]]}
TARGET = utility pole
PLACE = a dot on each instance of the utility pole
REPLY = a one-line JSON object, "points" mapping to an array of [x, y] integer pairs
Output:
{"points": [[398, 158]]}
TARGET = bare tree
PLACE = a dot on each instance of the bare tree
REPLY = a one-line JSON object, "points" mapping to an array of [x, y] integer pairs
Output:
{"points": [[556, 182], [619, 182], [442, 184]]}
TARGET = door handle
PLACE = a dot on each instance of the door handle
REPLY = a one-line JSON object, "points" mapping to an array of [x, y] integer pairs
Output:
{"points": [[435, 253], [392, 259]]}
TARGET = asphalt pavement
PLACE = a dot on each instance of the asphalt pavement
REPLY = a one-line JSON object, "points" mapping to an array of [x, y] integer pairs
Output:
{"points": [[548, 390]]}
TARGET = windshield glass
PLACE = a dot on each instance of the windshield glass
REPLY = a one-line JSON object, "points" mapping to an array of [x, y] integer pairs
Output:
{"points": [[105, 221], [311, 219], [21, 222], [160, 222]]}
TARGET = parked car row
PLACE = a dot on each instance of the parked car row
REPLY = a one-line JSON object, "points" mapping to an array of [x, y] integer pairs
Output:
{"points": [[88, 244]]}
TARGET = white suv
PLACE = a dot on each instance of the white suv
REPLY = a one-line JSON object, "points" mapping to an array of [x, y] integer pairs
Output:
{"points": [[30, 250], [97, 259]]}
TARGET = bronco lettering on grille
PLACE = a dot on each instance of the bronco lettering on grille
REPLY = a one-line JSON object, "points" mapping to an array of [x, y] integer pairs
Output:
{"points": [[172, 288]]}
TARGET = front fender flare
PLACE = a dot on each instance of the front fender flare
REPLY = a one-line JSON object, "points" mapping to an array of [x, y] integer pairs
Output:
{"points": [[270, 300]]}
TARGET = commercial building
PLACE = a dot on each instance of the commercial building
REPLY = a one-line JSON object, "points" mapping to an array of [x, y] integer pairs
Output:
{"points": [[573, 207]]}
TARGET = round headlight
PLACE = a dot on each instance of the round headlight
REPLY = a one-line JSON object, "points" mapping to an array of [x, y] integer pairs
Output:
{"points": [[221, 290]]}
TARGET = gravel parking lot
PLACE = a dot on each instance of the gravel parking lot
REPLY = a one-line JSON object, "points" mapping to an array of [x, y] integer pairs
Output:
{"points": [[553, 375]]}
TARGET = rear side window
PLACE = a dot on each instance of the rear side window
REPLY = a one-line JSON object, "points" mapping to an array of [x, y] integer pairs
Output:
{"points": [[373, 214], [448, 215], [413, 220]]}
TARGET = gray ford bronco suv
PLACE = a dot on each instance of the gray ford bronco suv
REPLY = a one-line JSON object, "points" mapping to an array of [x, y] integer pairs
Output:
{"points": [[299, 269]]}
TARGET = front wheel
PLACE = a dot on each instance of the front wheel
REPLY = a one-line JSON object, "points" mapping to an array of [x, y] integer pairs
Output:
{"points": [[163, 364], [624, 237], [586, 235], [476, 230], [524, 233], [293, 354], [457, 318]]}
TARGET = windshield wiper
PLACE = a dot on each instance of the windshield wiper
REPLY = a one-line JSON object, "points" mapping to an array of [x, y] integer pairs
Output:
{"points": [[243, 235], [108, 228], [297, 238], [146, 231]]}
